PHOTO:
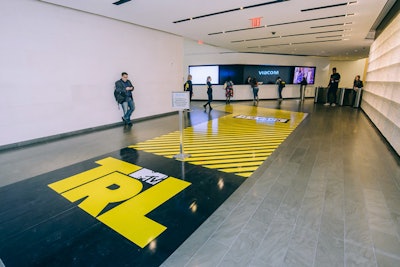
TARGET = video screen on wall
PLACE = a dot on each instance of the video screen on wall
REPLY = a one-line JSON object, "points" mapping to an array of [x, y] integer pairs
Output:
{"points": [[233, 72], [306, 72], [200, 74], [239, 73], [268, 74]]}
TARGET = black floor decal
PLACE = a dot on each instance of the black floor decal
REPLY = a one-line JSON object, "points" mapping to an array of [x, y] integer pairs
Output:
{"points": [[41, 227]]}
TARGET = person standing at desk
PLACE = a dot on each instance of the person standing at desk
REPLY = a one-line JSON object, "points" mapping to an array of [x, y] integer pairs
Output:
{"points": [[281, 84], [228, 86], [254, 86], [332, 88]]}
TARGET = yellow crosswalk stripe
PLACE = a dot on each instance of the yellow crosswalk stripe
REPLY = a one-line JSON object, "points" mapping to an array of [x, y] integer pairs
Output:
{"points": [[210, 162], [233, 165], [236, 170], [229, 144]]}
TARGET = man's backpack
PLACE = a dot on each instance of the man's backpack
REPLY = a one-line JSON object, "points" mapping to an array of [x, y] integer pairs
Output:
{"points": [[119, 95], [186, 86]]}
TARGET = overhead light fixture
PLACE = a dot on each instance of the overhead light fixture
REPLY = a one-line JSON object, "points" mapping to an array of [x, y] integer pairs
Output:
{"points": [[323, 7], [120, 2], [232, 10]]}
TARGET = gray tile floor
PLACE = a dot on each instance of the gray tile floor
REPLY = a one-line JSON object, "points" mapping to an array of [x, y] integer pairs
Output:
{"points": [[328, 196]]}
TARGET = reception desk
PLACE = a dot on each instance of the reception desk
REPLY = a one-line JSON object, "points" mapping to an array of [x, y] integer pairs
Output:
{"points": [[244, 92]]}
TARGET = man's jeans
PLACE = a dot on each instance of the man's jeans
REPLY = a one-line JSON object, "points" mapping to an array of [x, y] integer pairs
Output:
{"points": [[128, 107]]}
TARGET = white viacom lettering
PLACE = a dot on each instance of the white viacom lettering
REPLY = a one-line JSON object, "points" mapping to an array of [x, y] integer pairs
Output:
{"points": [[268, 72]]}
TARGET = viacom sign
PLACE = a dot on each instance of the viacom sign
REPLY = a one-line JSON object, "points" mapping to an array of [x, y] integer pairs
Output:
{"points": [[116, 181], [268, 72]]}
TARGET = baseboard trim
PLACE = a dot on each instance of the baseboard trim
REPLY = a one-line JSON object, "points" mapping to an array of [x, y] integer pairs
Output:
{"points": [[56, 137]]}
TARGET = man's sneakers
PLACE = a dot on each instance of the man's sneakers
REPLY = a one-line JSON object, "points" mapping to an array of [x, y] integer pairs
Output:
{"points": [[328, 104], [129, 123]]}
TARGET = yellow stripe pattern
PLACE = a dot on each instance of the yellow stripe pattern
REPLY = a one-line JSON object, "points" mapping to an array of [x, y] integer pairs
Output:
{"points": [[229, 144]]}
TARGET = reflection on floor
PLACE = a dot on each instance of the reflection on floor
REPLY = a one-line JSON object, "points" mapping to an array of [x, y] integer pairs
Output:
{"points": [[236, 143]]}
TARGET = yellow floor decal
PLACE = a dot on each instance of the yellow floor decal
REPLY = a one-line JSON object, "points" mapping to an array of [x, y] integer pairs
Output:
{"points": [[236, 143]]}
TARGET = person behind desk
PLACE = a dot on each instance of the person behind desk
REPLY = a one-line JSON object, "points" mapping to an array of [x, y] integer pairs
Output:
{"points": [[357, 85], [332, 88], [303, 83], [248, 80]]}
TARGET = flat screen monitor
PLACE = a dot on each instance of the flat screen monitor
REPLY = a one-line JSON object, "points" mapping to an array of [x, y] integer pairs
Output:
{"points": [[268, 74], [307, 72], [231, 72], [200, 74]]}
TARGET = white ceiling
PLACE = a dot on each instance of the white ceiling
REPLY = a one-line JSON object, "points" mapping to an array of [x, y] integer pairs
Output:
{"points": [[335, 29]]}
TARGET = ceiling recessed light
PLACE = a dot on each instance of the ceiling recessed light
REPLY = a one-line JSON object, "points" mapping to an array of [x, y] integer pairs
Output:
{"points": [[120, 2]]}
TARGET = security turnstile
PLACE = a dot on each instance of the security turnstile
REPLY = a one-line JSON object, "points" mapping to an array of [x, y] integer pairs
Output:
{"points": [[357, 101], [350, 97], [321, 95]]}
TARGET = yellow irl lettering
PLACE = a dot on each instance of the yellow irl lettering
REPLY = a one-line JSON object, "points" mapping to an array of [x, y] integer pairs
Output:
{"points": [[99, 194], [109, 165], [109, 183], [129, 219]]}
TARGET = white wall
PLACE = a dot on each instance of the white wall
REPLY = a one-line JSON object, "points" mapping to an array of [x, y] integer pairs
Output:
{"points": [[381, 97], [196, 54], [58, 68]]}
